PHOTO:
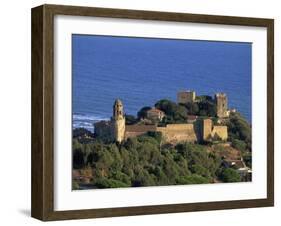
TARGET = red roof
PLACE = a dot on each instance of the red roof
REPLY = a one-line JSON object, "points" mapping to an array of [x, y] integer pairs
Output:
{"points": [[155, 110], [191, 117]]}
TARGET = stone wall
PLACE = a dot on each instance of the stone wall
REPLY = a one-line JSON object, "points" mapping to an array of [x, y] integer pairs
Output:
{"points": [[137, 130], [174, 133], [220, 132], [206, 128], [211, 132]]}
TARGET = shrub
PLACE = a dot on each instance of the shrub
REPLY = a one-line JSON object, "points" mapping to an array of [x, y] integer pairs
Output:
{"points": [[192, 179], [109, 183], [174, 113], [239, 144], [78, 159], [239, 129], [230, 175], [142, 112], [130, 119]]}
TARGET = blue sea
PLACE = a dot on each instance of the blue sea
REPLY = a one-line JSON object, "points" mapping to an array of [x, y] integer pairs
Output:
{"points": [[141, 71]]}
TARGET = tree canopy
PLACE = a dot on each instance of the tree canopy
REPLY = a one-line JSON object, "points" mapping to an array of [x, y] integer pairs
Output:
{"points": [[146, 161], [143, 161], [175, 113]]}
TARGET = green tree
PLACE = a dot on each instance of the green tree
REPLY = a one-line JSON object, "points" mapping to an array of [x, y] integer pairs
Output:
{"points": [[143, 161], [239, 144], [192, 179], [207, 108], [192, 108], [78, 159], [142, 112], [109, 183], [239, 129], [130, 119], [230, 175], [174, 113]]}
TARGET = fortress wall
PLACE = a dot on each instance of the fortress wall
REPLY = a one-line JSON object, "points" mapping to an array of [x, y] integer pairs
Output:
{"points": [[178, 127], [133, 134], [220, 131], [174, 133], [207, 129], [137, 130]]}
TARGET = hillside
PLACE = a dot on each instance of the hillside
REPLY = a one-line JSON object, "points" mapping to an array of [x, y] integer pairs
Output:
{"points": [[146, 160]]}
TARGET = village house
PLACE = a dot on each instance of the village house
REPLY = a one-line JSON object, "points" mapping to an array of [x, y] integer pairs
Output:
{"points": [[191, 118], [155, 114]]}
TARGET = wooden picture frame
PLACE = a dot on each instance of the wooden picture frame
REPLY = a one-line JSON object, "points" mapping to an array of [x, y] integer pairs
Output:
{"points": [[43, 112]]}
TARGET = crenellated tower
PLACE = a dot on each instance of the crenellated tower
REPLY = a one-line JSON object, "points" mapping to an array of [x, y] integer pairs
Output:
{"points": [[221, 104], [185, 97]]}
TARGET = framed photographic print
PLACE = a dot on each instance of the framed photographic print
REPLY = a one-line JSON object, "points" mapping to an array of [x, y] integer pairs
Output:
{"points": [[141, 112]]}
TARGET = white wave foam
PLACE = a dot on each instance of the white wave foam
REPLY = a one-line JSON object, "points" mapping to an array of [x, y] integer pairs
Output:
{"points": [[86, 121], [87, 117]]}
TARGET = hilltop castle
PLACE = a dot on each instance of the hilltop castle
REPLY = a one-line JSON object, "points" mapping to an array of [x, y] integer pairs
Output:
{"points": [[185, 97], [195, 131]]}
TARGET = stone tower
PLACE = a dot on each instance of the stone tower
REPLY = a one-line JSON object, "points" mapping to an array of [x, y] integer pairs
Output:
{"points": [[184, 97], [207, 125], [221, 102], [118, 119]]}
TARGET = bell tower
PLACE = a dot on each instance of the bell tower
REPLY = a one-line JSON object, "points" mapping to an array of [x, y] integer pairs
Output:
{"points": [[118, 112], [118, 119]]}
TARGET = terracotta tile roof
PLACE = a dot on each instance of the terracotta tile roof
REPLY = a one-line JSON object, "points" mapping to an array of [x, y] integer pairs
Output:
{"points": [[155, 110], [191, 117]]}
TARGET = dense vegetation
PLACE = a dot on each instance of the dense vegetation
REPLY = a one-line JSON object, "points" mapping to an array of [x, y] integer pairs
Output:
{"points": [[204, 106], [240, 135], [146, 161], [142, 161], [174, 113], [177, 113]]}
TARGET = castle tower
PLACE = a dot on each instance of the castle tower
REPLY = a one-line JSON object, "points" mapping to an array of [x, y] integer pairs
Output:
{"points": [[221, 102], [118, 121], [207, 125], [185, 97]]}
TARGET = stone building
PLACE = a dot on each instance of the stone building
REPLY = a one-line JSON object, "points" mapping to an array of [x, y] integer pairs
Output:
{"points": [[191, 118], [184, 97], [104, 130], [155, 114], [213, 132], [117, 130], [221, 105]]}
